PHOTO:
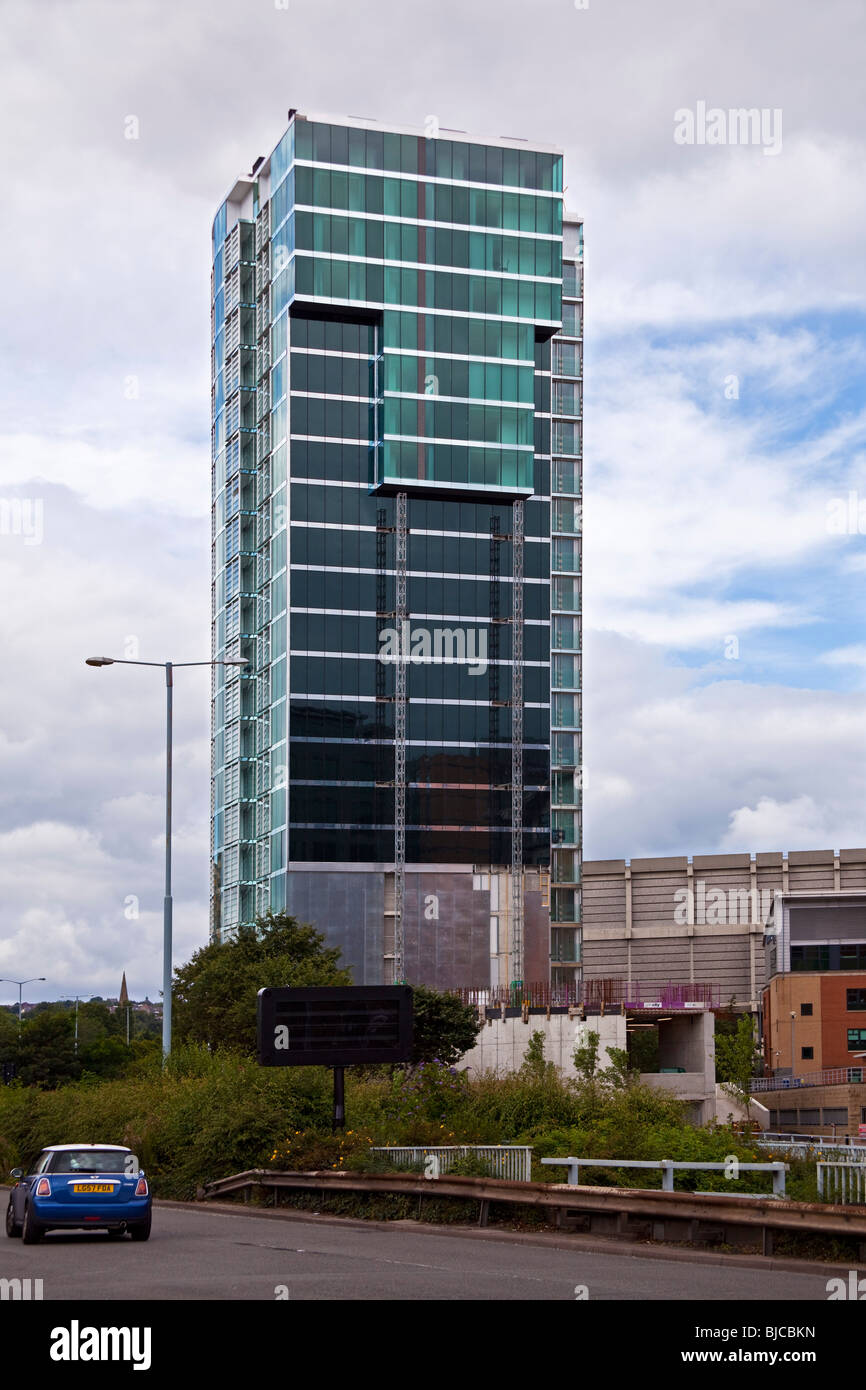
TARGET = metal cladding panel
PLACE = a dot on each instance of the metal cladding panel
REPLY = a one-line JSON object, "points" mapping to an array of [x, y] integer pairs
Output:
{"points": [[348, 909], [334, 1027], [828, 923], [446, 928], [536, 933]]}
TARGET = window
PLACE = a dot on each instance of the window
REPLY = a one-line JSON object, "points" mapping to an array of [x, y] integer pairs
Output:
{"points": [[90, 1161], [835, 1115], [805, 1010], [807, 1054], [811, 958], [856, 1039], [856, 1000]]}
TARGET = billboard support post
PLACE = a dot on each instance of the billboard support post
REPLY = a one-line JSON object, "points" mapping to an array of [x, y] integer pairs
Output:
{"points": [[339, 1099]]}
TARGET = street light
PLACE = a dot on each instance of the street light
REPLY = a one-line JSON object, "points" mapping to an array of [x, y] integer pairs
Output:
{"points": [[168, 667], [67, 999], [21, 984]]}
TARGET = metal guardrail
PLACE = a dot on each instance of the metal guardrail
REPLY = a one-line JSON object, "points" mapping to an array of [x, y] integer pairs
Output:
{"points": [[842, 1183], [511, 1161], [668, 1166], [830, 1076], [812, 1148], [765, 1214]]}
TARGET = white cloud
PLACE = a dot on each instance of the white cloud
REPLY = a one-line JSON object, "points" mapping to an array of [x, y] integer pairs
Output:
{"points": [[796, 824], [700, 264], [720, 765], [846, 656]]}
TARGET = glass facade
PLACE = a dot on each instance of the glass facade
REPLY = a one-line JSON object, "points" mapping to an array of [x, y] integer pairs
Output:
{"points": [[384, 311], [566, 514]]}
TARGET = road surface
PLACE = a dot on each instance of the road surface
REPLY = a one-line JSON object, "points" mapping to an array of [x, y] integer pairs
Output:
{"points": [[215, 1254]]}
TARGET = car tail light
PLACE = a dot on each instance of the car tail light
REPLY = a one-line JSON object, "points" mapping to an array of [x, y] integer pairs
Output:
{"points": [[141, 1187], [43, 1188]]}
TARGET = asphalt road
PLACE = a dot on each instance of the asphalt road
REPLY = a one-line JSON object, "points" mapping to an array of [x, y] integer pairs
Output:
{"points": [[207, 1254]]}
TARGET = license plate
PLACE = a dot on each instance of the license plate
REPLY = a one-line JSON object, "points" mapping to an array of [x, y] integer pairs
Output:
{"points": [[92, 1187]]}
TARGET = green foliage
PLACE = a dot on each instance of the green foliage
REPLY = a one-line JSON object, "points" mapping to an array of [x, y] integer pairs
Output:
{"points": [[444, 1027], [737, 1059], [534, 1067], [586, 1057], [586, 1063], [208, 1114], [620, 1072], [307, 1151], [215, 992], [8, 1033], [424, 1101], [46, 1054], [643, 1050], [111, 1057]]}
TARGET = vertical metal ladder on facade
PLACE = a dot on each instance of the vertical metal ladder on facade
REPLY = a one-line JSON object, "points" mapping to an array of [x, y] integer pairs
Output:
{"points": [[400, 742], [516, 942]]}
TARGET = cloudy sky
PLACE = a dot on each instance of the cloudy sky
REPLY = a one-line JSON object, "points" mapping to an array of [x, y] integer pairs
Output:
{"points": [[725, 661]]}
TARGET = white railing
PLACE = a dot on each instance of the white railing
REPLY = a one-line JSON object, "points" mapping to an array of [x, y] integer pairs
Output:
{"points": [[842, 1183], [811, 1148], [668, 1166], [513, 1161], [830, 1076]]}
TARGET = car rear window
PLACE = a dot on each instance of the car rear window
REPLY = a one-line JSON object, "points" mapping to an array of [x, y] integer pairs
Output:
{"points": [[89, 1161]]}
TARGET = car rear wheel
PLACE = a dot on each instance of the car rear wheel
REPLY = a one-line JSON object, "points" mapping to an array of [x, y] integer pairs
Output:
{"points": [[141, 1229], [13, 1227], [33, 1230]]}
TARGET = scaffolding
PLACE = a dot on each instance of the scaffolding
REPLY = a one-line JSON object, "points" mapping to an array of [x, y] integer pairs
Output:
{"points": [[400, 741], [516, 942]]}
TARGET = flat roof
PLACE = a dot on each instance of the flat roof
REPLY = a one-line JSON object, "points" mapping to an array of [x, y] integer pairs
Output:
{"points": [[443, 132], [245, 181]]}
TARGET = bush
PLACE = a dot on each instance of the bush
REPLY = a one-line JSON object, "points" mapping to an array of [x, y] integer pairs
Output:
{"points": [[207, 1115]]}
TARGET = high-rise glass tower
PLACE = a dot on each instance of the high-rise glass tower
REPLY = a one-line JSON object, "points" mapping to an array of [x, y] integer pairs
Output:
{"points": [[393, 364], [566, 529]]}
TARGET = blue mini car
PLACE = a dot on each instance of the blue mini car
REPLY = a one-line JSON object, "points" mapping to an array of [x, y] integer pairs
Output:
{"points": [[80, 1186]]}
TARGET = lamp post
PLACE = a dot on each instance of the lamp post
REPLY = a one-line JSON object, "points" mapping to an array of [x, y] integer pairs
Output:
{"points": [[67, 999], [168, 667], [21, 984]]}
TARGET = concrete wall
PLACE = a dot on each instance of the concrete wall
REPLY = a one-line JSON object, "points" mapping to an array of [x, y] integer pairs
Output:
{"points": [[728, 1109], [687, 1042], [502, 1043], [698, 919]]}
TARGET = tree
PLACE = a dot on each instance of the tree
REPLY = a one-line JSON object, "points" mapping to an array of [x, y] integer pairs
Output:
{"points": [[534, 1066], [215, 992], [46, 1053], [8, 1032], [586, 1057], [616, 1077], [737, 1060], [110, 1057], [444, 1026]]}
